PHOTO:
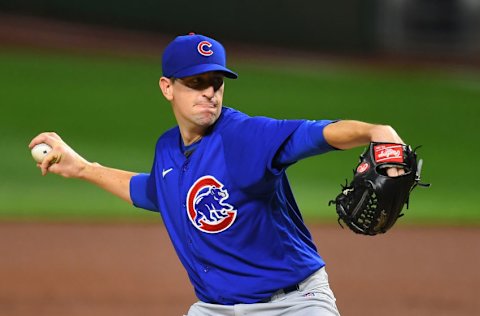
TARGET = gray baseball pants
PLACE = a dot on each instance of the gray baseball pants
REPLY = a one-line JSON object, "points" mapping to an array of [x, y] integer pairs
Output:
{"points": [[313, 298]]}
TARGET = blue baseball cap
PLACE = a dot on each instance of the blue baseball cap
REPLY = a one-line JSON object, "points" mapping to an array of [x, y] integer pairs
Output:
{"points": [[194, 54]]}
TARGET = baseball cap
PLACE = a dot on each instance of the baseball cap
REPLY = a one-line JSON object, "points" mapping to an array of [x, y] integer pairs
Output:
{"points": [[194, 54]]}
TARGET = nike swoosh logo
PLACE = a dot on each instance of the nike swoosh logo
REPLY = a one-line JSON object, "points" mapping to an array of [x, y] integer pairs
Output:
{"points": [[164, 172]]}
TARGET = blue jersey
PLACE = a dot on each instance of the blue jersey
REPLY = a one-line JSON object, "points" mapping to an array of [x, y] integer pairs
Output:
{"points": [[229, 209]]}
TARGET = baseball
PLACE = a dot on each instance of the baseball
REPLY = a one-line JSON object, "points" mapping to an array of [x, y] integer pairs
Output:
{"points": [[40, 151]]}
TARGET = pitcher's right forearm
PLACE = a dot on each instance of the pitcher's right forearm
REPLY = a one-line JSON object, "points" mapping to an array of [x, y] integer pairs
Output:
{"points": [[115, 181]]}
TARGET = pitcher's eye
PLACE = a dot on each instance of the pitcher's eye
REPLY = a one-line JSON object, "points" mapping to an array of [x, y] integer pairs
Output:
{"points": [[194, 83], [217, 83]]}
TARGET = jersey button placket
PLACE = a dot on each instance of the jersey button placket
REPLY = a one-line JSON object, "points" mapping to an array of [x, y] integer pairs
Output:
{"points": [[184, 169], [185, 166]]}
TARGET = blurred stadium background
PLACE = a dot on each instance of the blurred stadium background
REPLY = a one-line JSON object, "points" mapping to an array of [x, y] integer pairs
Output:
{"points": [[89, 70]]}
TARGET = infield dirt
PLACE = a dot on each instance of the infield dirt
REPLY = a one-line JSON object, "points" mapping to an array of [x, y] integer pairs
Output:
{"points": [[131, 269]]}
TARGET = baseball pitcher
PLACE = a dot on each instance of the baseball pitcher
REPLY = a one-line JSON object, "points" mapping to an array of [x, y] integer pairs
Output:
{"points": [[219, 182]]}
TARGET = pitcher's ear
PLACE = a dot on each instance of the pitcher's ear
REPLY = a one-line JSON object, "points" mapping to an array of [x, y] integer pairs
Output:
{"points": [[165, 85]]}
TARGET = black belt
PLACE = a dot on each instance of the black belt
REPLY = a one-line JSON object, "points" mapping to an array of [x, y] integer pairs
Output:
{"points": [[290, 289], [285, 290]]}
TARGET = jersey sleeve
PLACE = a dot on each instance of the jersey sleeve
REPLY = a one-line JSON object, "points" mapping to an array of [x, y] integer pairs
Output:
{"points": [[142, 192], [306, 141]]}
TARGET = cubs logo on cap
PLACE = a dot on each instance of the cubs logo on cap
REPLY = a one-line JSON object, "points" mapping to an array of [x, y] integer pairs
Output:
{"points": [[204, 48], [194, 54], [207, 208]]}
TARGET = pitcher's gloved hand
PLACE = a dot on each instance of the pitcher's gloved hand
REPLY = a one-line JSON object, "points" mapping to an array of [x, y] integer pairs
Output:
{"points": [[373, 201]]}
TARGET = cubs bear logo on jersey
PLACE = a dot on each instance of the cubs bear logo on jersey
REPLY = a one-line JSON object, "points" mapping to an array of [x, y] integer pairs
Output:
{"points": [[206, 206]]}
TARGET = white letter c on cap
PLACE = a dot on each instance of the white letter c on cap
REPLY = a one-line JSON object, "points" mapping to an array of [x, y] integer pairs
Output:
{"points": [[201, 48]]}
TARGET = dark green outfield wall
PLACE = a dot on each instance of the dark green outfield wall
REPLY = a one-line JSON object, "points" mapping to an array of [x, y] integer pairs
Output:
{"points": [[345, 25]]}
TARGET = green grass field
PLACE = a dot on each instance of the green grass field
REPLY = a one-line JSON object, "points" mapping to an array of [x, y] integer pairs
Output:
{"points": [[111, 111]]}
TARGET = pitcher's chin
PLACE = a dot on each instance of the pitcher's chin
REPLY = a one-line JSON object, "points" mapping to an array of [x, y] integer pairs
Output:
{"points": [[206, 118]]}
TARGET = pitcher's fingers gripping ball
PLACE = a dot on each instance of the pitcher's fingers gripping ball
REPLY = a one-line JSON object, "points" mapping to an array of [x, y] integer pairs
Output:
{"points": [[43, 155], [39, 152]]}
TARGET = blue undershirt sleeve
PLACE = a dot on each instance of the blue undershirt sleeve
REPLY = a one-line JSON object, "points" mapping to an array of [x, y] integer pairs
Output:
{"points": [[306, 141], [140, 192]]}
